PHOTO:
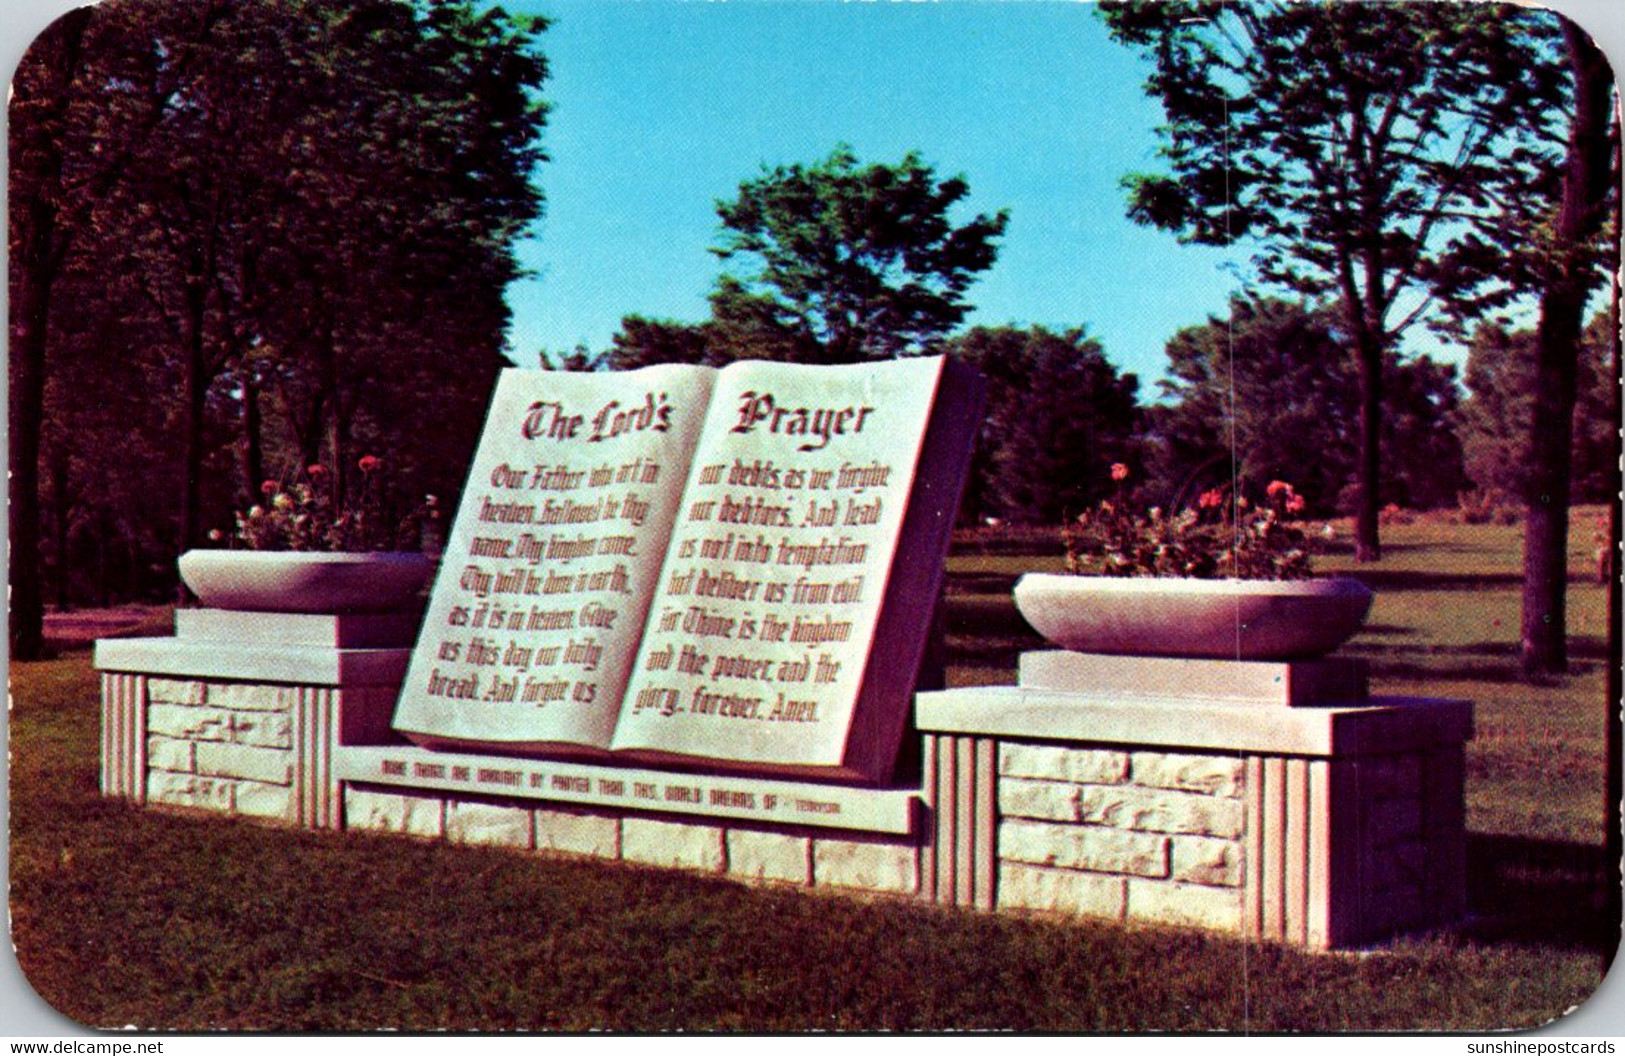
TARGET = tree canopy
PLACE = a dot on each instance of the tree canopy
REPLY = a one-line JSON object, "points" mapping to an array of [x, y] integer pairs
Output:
{"points": [[1346, 143], [295, 218], [1058, 415], [840, 262], [1249, 394]]}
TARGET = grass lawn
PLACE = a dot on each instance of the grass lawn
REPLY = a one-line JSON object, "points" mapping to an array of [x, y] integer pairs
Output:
{"points": [[168, 921]]}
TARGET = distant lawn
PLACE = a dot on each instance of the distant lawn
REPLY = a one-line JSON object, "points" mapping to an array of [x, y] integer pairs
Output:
{"points": [[168, 921]]}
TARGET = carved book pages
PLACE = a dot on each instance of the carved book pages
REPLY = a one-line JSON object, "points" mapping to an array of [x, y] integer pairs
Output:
{"points": [[769, 609], [539, 605]]}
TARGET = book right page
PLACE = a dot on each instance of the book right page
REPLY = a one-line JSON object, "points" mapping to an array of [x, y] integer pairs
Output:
{"points": [[766, 610]]}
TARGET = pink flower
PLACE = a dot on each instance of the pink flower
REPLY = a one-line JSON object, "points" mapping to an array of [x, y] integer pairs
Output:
{"points": [[1278, 487], [316, 472], [1210, 500], [267, 487], [1119, 471], [368, 463], [1295, 504]]}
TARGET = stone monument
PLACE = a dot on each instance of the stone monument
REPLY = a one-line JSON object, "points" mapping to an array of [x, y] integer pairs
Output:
{"points": [[680, 621]]}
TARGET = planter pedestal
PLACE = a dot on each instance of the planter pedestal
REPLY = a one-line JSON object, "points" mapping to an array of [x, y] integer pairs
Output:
{"points": [[1275, 800], [241, 712]]}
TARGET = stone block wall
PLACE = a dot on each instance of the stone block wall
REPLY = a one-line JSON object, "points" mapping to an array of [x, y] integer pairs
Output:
{"points": [[220, 746], [1122, 834], [1317, 826], [254, 749], [800, 856]]}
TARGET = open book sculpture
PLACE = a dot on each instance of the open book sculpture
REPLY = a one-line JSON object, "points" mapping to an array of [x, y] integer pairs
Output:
{"points": [[734, 569]]}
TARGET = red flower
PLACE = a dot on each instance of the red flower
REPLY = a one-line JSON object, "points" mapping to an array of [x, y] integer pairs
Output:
{"points": [[1295, 504], [1119, 471], [317, 471], [1278, 487], [267, 487], [1210, 500], [368, 463]]}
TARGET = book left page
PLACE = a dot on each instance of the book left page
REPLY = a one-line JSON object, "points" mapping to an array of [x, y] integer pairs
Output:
{"points": [[540, 601]]}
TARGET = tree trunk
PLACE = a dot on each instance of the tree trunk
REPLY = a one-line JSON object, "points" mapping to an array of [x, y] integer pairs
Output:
{"points": [[1580, 216], [38, 244], [30, 311], [253, 441], [1367, 545], [197, 387], [59, 524]]}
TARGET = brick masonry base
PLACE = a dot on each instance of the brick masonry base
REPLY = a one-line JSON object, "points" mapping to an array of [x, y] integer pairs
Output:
{"points": [[1319, 826]]}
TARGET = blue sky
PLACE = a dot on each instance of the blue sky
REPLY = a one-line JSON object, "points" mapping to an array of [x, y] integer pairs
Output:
{"points": [[662, 108]]}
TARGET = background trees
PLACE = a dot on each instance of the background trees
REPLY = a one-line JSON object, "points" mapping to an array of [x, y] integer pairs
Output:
{"points": [[1250, 396], [1494, 420], [1343, 141], [849, 262], [293, 220], [839, 262], [1058, 415]]}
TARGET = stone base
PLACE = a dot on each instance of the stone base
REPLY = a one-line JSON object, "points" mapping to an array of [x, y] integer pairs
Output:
{"points": [[1318, 826], [242, 711], [348, 631], [799, 856], [1195, 793]]}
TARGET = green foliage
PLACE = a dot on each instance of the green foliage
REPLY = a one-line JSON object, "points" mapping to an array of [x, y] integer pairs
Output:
{"points": [[1248, 395], [1058, 414], [1349, 144], [285, 228], [1494, 421], [847, 262], [1323, 131], [643, 342]]}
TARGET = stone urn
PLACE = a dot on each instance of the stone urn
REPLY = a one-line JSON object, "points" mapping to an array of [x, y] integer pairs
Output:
{"points": [[307, 581], [1231, 619]]}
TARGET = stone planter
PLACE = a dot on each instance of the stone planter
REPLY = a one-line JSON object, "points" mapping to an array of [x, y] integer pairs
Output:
{"points": [[281, 581], [1214, 619]]}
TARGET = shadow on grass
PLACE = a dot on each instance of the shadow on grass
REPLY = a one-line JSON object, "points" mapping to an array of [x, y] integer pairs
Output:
{"points": [[973, 583], [1537, 892], [1408, 661], [1496, 663], [1411, 579]]}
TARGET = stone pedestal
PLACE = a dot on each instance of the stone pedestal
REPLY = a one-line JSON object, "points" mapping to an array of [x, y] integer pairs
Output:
{"points": [[1232, 796], [241, 712]]}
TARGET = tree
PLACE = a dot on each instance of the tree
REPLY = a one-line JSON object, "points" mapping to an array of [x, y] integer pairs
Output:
{"points": [[1058, 416], [642, 342], [1248, 395], [1347, 142], [1494, 421], [296, 218], [1566, 273], [39, 240], [847, 262]]}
